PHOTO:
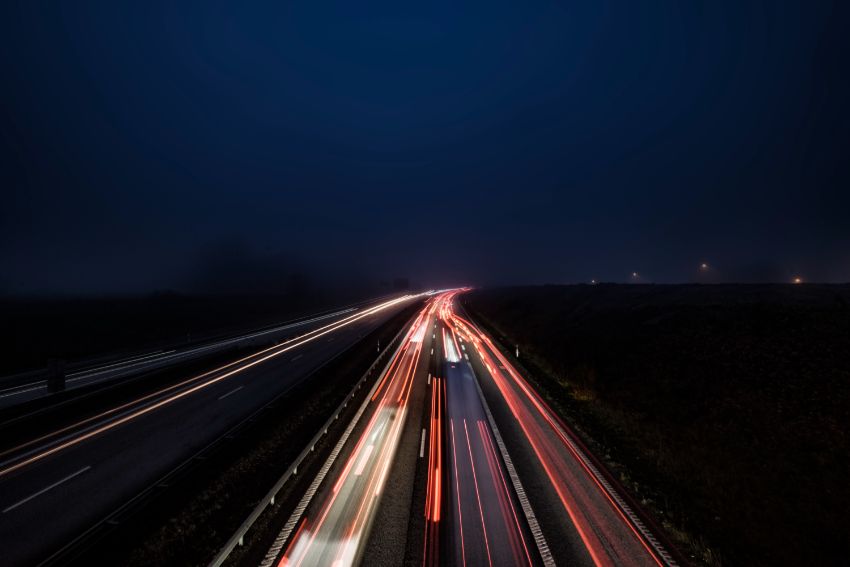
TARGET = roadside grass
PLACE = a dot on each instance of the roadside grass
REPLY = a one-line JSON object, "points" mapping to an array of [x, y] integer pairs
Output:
{"points": [[722, 409]]}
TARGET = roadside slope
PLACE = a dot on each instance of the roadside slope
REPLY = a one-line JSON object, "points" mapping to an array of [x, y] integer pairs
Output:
{"points": [[722, 405]]}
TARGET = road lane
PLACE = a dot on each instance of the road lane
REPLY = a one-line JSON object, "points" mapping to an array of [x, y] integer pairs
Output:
{"points": [[484, 525], [136, 365], [128, 456], [337, 524], [590, 512], [33, 450]]}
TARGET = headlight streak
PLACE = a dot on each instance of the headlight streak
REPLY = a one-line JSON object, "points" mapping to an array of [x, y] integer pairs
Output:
{"points": [[197, 383], [345, 516], [450, 349]]}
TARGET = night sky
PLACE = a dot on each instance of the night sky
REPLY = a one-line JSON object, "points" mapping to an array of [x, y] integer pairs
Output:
{"points": [[157, 145]]}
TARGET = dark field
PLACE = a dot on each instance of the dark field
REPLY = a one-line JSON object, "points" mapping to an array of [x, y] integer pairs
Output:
{"points": [[724, 407], [34, 330]]}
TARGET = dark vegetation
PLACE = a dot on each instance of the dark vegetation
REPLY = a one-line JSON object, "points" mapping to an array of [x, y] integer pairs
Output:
{"points": [[189, 523], [36, 329], [723, 407]]}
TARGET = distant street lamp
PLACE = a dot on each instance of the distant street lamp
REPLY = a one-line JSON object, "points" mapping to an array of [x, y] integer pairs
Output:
{"points": [[798, 280], [703, 267], [635, 276]]}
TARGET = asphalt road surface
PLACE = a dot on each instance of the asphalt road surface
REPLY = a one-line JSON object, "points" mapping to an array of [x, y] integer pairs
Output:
{"points": [[584, 518], [337, 524], [132, 366], [507, 482], [54, 488], [486, 524]]}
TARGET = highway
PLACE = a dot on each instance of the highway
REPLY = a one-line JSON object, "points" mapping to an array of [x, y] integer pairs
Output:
{"points": [[506, 482], [593, 525], [146, 362], [55, 487], [476, 463], [336, 527], [484, 523]]}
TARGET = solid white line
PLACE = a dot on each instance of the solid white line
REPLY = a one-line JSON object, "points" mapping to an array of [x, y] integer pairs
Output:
{"points": [[124, 362], [23, 391], [233, 391], [43, 490], [422, 444]]}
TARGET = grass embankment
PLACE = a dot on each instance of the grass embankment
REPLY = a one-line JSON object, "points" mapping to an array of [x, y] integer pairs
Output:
{"points": [[723, 407]]}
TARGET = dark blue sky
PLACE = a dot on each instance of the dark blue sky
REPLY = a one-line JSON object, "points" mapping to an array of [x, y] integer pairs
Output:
{"points": [[485, 142]]}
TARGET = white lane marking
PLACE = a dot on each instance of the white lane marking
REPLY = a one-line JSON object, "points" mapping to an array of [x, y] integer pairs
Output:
{"points": [[429, 378], [432, 352], [294, 358], [45, 489], [362, 464], [23, 391], [422, 444], [233, 391]]}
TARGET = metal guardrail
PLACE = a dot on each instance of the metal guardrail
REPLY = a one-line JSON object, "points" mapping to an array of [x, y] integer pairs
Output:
{"points": [[237, 539]]}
